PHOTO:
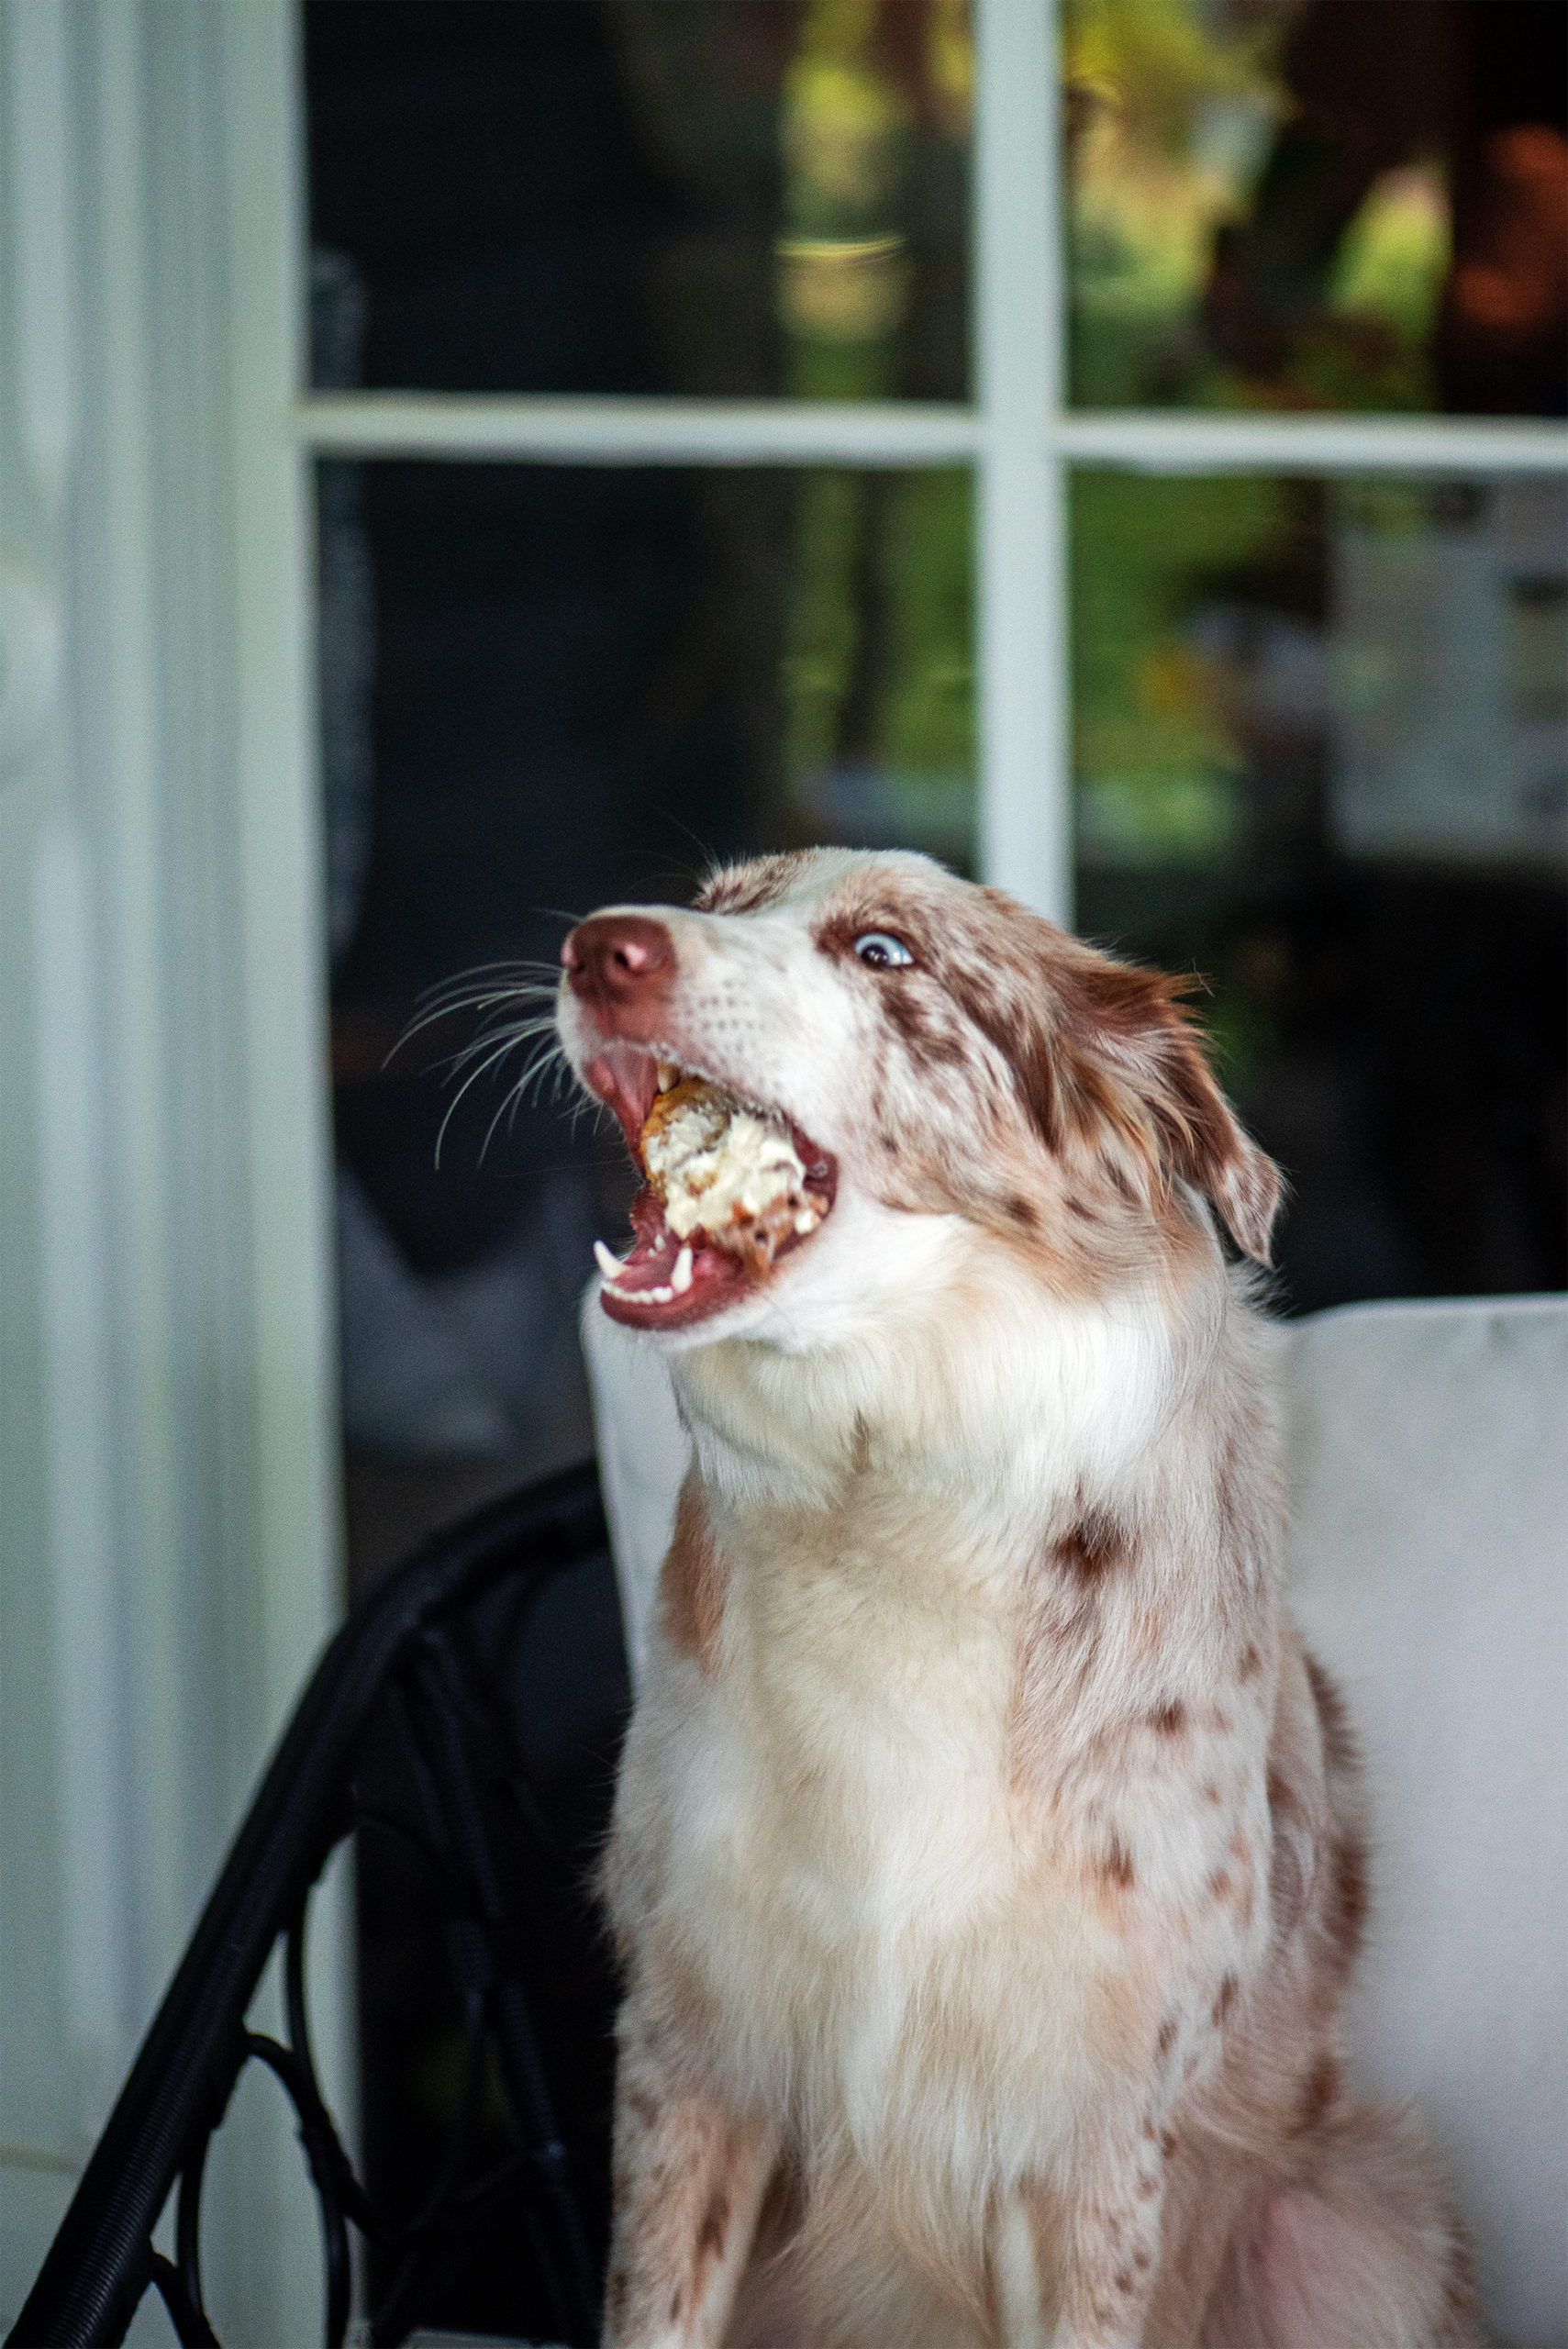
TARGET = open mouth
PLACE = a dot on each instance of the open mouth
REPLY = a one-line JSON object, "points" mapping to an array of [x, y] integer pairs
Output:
{"points": [[731, 1187]]}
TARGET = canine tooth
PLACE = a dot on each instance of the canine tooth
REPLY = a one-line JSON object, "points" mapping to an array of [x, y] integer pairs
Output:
{"points": [[806, 1221], [666, 1072], [681, 1278], [611, 1266]]}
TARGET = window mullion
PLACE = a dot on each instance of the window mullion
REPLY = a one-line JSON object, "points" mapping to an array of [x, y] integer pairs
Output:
{"points": [[582, 429], [1024, 712], [1162, 442]]}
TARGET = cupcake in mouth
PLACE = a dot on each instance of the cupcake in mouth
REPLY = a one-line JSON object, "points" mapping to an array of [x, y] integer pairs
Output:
{"points": [[731, 1187]]}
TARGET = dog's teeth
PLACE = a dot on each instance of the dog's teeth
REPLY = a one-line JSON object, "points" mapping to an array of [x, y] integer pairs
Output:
{"points": [[653, 1296], [611, 1266], [806, 1221], [681, 1278], [666, 1072]]}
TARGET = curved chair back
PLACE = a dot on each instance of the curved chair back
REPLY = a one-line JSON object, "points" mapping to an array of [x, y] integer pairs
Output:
{"points": [[428, 1730]]}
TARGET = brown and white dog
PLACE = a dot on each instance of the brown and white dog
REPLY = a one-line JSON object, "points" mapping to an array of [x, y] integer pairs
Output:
{"points": [[986, 1865]]}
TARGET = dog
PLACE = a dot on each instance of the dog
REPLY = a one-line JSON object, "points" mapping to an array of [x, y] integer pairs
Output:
{"points": [[986, 1865]]}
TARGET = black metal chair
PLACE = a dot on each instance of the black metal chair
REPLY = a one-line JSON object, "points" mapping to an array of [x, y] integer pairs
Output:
{"points": [[464, 1726]]}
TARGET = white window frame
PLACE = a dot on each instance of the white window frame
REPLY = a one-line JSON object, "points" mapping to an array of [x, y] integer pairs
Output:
{"points": [[1019, 435]]}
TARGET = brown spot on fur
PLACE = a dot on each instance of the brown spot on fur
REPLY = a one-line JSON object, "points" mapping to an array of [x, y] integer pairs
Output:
{"points": [[1220, 1884], [931, 1036], [1460, 2296], [1094, 1548], [1210, 1792], [782, 2214], [1251, 1662], [1117, 1866], [691, 1583], [1319, 2092], [1167, 2142], [1167, 2038], [715, 2225], [1226, 1999], [1217, 1722], [1346, 1902], [1023, 1212], [1004, 1008], [1287, 1876], [1339, 1738], [1124, 2279], [1240, 1851], [1169, 1719], [746, 888]]}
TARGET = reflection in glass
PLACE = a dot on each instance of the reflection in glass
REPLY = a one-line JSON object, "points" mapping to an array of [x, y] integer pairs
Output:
{"points": [[1319, 204], [545, 689], [1321, 751], [648, 196]]}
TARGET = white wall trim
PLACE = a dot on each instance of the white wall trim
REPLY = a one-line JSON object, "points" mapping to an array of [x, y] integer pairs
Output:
{"points": [[1023, 707], [281, 1006], [508, 426], [1160, 442], [528, 428]]}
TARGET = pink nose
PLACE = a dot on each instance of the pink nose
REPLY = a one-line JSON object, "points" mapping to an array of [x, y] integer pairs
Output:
{"points": [[617, 961]]}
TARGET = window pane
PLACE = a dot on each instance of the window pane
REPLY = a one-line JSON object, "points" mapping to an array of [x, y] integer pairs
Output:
{"points": [[543, 689], [643, 195], [1321, 756], [1319, 204]]}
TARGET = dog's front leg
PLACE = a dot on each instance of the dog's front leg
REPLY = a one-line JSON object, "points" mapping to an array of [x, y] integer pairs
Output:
{"points": [[689, 2180], [1078, 2270]]}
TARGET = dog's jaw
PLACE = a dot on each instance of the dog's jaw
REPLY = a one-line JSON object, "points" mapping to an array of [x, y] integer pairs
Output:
{"points": [[705, 1023]]}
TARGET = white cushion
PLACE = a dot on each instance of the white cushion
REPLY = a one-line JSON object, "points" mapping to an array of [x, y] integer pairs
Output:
{"points": [[1429, 1482], [1429, 1479]]}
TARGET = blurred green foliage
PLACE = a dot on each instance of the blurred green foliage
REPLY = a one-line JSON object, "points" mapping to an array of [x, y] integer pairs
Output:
{"points": [[1170, 119], [1157, 759]]}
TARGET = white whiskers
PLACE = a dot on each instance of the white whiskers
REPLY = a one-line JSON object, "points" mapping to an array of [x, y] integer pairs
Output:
{"points": [[497, 992]]}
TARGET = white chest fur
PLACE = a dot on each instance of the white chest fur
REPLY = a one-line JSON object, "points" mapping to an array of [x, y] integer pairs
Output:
{"points": [[892, 1945], [896, 1934]]}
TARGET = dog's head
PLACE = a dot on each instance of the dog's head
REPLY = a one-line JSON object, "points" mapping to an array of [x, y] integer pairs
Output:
{"points": [[939, 1053]]}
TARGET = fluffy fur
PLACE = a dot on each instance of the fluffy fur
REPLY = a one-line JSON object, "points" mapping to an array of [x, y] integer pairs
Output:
{"points": [[986, 1863]]}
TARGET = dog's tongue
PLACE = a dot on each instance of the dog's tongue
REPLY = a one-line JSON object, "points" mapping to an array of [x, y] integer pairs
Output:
{"points": [[643, 1291]]}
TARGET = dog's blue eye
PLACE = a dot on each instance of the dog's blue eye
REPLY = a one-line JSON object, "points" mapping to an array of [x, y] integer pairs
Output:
{"points": [[882, 952]]}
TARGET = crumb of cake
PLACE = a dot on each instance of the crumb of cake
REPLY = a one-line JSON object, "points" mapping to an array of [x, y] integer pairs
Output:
{"points": [[721, 1167]]}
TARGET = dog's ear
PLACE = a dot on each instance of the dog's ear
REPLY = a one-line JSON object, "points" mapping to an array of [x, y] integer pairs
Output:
{"points": [[1108, 1062], [1215, 1152], [1138, 1062]]}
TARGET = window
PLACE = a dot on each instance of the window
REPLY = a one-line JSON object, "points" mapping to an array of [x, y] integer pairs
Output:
{"points": [[1116, 449]]}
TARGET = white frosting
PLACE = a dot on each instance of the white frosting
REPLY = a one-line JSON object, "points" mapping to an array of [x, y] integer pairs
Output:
{"points": [[718, 1165]]}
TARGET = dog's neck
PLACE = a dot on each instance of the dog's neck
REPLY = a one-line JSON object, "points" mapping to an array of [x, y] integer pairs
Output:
{"points": [[975, 1378]]}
